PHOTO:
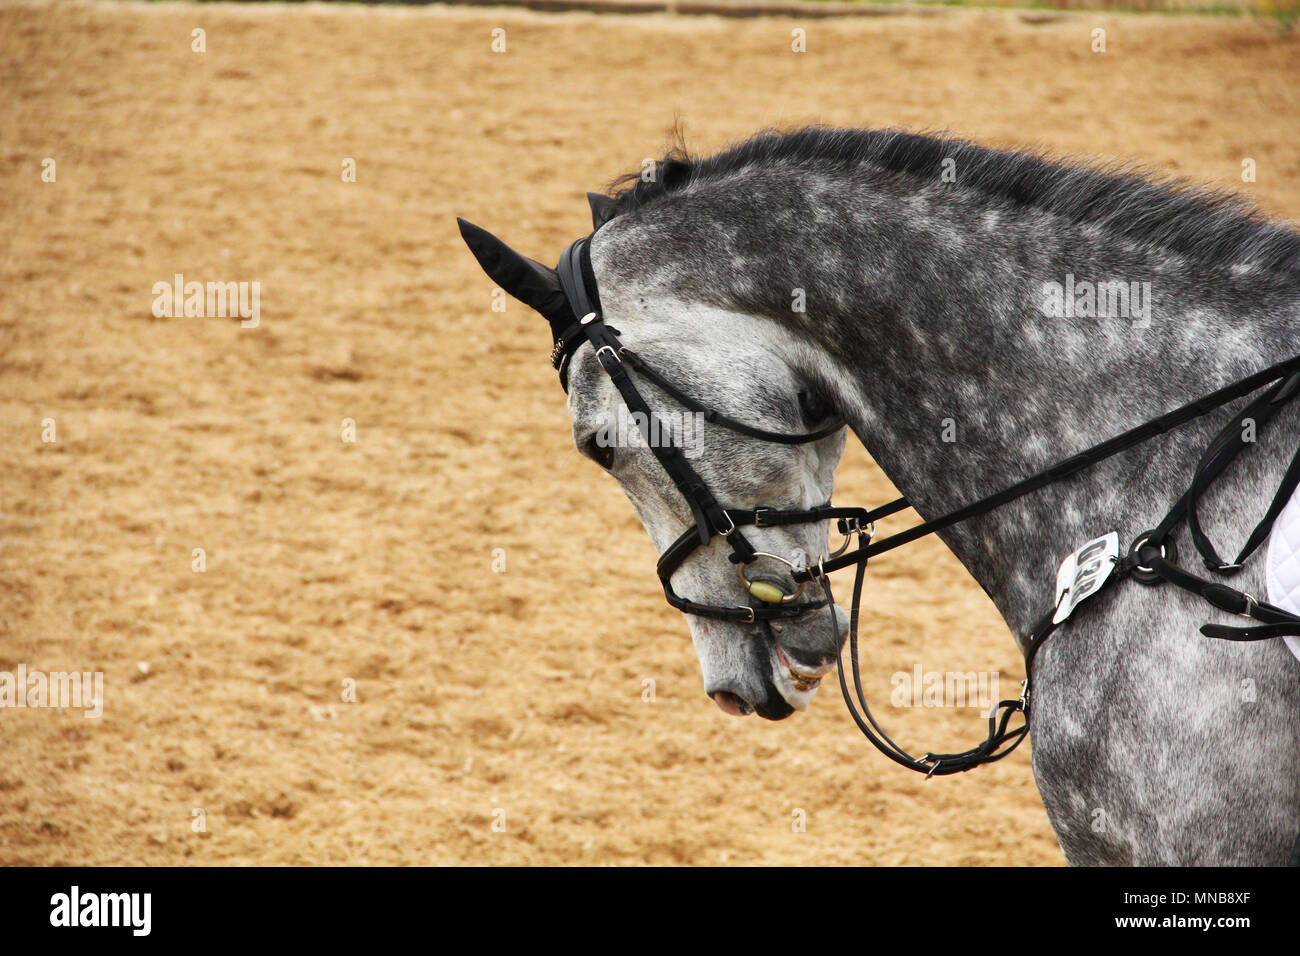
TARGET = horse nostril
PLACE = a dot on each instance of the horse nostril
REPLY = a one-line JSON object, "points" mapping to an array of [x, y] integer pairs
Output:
{"points": [[732, 704]]}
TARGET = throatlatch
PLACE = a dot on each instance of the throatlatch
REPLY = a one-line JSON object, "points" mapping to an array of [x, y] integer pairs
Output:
{"points": [[1097, 565]]}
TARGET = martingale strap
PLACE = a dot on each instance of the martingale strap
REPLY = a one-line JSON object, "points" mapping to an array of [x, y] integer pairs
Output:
{"points": [[1234, 437], [1151, 560]]}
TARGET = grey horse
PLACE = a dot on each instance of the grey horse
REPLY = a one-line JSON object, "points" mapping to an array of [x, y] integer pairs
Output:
{"points": [[974, 315]]}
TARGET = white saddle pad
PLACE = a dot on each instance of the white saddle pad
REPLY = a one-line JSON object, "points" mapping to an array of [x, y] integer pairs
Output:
{"points": [[1284, 564]]}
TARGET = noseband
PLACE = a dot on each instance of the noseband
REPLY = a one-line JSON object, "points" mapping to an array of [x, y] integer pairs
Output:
{"points": [[1149, 560]]}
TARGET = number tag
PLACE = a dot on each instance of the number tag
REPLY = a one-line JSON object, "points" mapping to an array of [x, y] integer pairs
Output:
{"points": [[1082, 573]]}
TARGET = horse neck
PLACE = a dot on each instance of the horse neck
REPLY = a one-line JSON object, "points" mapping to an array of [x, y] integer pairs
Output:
{"points": [[921, 311], [961, 393]]}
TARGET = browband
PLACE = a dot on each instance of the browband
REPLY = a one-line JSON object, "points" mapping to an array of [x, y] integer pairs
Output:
{"points": [[578, 281]]}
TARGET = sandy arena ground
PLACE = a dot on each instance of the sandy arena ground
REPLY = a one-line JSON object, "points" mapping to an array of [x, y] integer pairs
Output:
{"points": [[482, 697]]}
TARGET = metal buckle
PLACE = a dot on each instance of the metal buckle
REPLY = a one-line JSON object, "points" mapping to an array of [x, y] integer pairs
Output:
{"points": [[1251, 603], [758, 516], [731, 525], [748, 610], [610, 350]]}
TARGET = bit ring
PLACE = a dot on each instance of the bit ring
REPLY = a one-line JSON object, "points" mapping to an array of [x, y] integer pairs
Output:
{"points": [[763, 587]]}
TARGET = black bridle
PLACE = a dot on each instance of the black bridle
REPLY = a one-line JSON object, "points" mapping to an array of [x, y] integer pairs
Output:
{"points": [[710, 518], [1149, 560]]}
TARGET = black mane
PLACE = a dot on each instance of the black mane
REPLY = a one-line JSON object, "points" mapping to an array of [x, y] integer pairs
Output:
{"points": [[1205, 224]]}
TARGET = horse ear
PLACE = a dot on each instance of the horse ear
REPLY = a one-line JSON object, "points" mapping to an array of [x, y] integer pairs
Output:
{"points": [[602, 209], [532, 283]]}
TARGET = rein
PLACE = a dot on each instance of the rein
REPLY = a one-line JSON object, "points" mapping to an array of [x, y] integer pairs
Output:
{"points": [[1150, 559]]}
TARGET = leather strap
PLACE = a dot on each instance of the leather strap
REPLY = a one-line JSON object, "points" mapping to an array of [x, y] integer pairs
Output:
{"points": [[1002, 738], [716, 417], [708, 516], [1231, 440], [1068, 467]]}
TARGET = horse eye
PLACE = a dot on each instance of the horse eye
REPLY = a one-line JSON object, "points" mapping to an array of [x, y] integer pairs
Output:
{"points": [[812, 407], [601, 454]]}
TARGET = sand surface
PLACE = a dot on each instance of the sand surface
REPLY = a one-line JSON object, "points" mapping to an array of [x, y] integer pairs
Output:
{"points": [[512, 697]]}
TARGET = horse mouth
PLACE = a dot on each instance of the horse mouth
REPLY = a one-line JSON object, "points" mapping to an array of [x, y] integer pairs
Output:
{"points": [[774, 707], [803, 678], [788, 685]]}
